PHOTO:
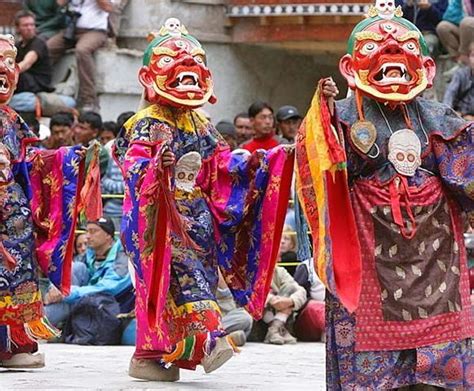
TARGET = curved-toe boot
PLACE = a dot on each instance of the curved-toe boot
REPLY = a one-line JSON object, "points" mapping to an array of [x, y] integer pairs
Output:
{"points": [[152, 370], [24, 360], [221, 353]]}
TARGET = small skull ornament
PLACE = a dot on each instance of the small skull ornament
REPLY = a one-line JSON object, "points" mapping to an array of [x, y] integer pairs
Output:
{"points": [[186, 171], [174, 27], [404, 151], [385, 8]]}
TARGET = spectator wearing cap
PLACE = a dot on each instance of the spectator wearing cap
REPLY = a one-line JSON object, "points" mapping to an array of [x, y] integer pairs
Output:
{"points": [[103, 268], [243, 128], [227, 131], [263, 123], [288, 122]]}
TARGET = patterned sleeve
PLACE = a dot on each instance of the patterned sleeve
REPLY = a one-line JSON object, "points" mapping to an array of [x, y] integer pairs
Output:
{"points": [[455, 159]]}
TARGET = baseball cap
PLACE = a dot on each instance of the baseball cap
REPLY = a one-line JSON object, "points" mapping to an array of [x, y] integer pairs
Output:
{"points": [[106, 224], [287, 112]]}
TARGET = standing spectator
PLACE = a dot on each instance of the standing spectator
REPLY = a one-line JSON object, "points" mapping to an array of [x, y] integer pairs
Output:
{"points": [[86, 130], [49, 16], [456, 30], [32, 57], [263, 124], [61, 131], [227, 131], [86, 35], [426, 14], [459, 94], [243, 127], [288, 122], [108, 132]]}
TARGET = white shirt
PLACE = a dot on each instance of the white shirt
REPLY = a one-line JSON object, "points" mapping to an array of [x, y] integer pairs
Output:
{"points": [[92, 16]]}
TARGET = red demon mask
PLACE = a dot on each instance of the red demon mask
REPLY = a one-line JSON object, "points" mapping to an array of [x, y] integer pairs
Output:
{"points": [[174, 69], [388, 60], [9, 70]]}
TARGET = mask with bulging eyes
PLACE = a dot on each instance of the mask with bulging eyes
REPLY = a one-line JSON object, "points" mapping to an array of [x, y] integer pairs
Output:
{"points": [[186, 171], [404, 151]]}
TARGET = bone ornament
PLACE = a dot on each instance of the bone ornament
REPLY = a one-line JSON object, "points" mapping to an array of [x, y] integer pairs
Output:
{"points": [[186, 171], [404, 151]]}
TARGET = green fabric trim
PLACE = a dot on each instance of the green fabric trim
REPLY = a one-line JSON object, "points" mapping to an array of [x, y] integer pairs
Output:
{"points": [[361, 26], [188, 348]]}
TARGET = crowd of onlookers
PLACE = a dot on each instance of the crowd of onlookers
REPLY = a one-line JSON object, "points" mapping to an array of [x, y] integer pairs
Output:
{"points": [[101, 279]]}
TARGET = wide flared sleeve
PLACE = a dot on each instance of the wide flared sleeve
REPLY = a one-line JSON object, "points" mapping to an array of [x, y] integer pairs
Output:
{"points": [[248, 197], [455, 160], [55, 179]]}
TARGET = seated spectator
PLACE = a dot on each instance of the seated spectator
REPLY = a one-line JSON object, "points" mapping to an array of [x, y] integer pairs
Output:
{"points": [[310, 322], [87, 129], [426, 14], [80, 244], [236, 321], [243, 127], [456, 31], [108, 132], [459, 94], [86, 35], [32, 57], [286, 297], [263, 124], [60, 126], [288, 122], [288, 246], [227, 131], [48, 14], [102, 269]]}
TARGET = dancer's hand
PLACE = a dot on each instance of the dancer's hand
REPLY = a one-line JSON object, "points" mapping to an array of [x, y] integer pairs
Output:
{"points": [[167, 159], [82, 152], [330, 91]]}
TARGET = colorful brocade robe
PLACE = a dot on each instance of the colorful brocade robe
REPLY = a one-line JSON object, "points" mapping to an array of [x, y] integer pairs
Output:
{"points": [[37, 220], [214, 209], [413, 323]]}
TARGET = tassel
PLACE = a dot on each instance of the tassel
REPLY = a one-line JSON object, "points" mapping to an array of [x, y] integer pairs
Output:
{"points": [[90, 197], [10, 261], [176, 354], [41, 329], [232, 344]]}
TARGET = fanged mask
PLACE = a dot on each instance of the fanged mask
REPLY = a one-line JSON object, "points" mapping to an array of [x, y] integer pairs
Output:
{"points": [[388, 60], [175, 71]]}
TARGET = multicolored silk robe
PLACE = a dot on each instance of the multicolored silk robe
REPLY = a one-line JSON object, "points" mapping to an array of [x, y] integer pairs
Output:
{"points": [[37, 219], [213, 209], [413, 322]]}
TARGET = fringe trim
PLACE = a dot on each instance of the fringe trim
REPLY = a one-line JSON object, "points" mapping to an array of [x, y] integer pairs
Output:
{"points": [[29, 333]]}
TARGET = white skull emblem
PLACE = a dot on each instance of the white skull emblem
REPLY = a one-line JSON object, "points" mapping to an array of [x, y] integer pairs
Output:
{"points": [[186, 171], [404, 151], [173, 26], [385, 8]]}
